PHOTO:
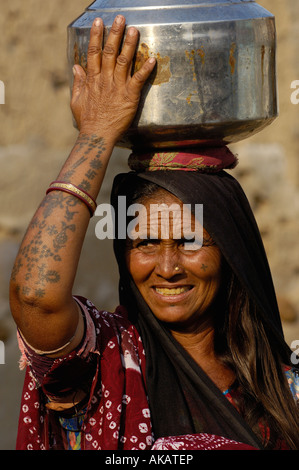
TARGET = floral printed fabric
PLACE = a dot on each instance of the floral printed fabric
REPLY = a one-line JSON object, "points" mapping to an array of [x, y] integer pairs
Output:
{"points": [[199, 442], [73, 427], [117, 414], [209, 160], [293, 381]]}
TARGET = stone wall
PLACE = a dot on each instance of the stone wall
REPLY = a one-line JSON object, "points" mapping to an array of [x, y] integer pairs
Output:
{"points": [[36, 134]]}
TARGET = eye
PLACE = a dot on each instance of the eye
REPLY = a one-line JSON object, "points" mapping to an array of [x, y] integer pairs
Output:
{"points": [[193, 244], [208, 241], [146, 245]]}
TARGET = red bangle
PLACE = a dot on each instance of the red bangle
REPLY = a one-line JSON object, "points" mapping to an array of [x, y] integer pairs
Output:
{"points": [[74, 191]]}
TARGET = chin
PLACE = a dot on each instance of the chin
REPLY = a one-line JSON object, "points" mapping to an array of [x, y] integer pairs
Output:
{"points": [[171, 316]]}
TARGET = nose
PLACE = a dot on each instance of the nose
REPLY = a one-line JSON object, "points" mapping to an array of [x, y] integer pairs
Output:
{"points": [[168, 263]]}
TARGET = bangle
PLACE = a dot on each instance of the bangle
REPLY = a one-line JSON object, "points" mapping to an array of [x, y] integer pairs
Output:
{"points": [[75, 191]]}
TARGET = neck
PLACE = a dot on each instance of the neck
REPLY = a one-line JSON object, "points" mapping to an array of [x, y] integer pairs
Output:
{"points": [[199, 344]]}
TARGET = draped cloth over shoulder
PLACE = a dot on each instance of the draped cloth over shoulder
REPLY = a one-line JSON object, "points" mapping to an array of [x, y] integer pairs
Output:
{"points": [[182, 398]]}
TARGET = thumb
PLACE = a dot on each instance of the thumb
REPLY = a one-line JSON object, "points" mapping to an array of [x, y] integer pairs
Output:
{"points": [[79, 80]]}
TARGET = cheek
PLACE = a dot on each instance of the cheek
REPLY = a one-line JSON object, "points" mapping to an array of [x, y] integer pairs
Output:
{"points": [[139, 266], [207, 264]]}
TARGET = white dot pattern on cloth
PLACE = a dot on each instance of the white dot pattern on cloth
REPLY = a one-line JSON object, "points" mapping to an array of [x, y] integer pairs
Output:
{"points": [[117, 414]]}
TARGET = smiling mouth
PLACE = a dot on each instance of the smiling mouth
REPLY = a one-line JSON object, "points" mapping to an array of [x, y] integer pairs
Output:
{"points": [[172, 291]]}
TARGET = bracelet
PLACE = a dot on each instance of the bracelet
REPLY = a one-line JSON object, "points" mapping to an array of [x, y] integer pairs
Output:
{"points": [[75, 191]]}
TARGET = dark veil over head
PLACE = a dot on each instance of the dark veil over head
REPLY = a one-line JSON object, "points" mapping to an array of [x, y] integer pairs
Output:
{"points": [[183, 400]]}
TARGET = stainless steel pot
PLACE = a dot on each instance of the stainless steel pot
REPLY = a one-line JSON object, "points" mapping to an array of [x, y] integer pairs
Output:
{"points": [[215, 79]]}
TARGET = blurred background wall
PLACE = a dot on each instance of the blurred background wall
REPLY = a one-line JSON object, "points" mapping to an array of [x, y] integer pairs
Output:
{"points": [[36, 135]]}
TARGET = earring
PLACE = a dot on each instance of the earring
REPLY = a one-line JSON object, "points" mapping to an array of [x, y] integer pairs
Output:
{"points": [[177, 268]]}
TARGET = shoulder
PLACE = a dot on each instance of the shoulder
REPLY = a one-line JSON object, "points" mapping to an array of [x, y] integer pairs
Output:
{"points": [[113, 336], [119, 316], [102, 325]]}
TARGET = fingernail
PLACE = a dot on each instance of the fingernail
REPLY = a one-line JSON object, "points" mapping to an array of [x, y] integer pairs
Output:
{"points": [[74, 71], [132, 31], [118, 19], [97, 21], [152, 60]]}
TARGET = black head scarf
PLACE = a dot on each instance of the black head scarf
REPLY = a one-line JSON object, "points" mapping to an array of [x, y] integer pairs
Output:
{"points": [[182, 397]]}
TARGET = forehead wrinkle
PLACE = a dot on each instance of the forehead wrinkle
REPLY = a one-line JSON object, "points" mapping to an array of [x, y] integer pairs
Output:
{"points": [[164, 221], [164, 206]]}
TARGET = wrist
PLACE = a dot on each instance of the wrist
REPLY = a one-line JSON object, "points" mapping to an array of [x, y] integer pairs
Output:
{"points": [[92, 135]]}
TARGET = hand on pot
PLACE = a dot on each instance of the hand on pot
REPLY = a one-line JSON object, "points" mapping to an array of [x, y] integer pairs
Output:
{"points": [[106, 97]]}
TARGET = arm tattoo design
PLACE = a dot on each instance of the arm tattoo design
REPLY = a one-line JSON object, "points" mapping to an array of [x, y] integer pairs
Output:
{"points": [[87, 144], [48, 240], [40, 248]]}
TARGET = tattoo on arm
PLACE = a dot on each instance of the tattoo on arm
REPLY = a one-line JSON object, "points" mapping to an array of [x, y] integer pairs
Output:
{"points": [[48, 239], [40, 248], [88, 144]]}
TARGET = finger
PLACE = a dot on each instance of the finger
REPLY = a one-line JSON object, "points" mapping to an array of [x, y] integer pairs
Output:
{"points": [[79, 80], [139, 78], [112, 46], [95, 47], [124, 61]]}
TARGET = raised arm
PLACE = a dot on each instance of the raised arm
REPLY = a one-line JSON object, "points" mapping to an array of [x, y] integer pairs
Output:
{"points": [[104, 103]]}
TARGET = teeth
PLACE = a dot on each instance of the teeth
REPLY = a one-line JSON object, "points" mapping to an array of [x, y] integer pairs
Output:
{"points": [[173, 291]]}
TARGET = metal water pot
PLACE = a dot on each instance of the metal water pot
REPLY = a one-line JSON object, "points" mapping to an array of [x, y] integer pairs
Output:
{"points": [[215, 78]]}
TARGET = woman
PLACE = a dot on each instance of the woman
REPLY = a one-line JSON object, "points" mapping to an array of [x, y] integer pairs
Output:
{"points": [[195, 351]]}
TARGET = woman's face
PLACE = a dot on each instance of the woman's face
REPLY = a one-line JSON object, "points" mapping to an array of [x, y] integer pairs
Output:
{"points": [[178, 281]]}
